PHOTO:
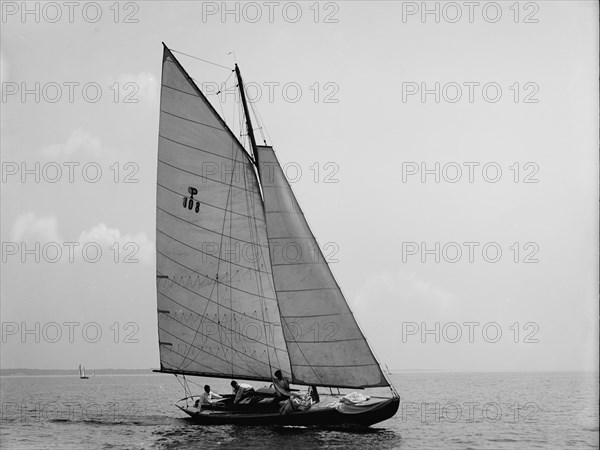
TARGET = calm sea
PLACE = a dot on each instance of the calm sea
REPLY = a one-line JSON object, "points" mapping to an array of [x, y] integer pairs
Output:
{"points": [[438, 410]]}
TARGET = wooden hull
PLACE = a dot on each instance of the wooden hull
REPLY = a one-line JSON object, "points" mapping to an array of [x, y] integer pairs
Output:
{"points": [[316, 416]]}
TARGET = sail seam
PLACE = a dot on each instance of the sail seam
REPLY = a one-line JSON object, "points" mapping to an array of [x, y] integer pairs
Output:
{"points": [[208, 254], [203, 228], [201, 349], [204, 203], [330, 365], [212, 321], [327, 341], [207, 103], [199, 176], [305, 290], [216, 281], [206, 298], [316, 315], [193, 121], [295, 237], [208, 353], [194, 148], [296, 264]]}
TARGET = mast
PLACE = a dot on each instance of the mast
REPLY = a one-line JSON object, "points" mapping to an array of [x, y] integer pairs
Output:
{"points": [[247, 113]]}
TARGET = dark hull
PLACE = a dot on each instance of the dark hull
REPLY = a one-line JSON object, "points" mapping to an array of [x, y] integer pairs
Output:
{"points": [[316, 416]]}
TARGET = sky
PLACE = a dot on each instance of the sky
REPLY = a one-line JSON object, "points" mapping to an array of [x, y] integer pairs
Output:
{"points": [[445, 156]]}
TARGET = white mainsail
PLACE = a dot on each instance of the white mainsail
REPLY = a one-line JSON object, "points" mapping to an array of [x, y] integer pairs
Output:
{"points": [[242, 287], [217, 310], [325, 344]]}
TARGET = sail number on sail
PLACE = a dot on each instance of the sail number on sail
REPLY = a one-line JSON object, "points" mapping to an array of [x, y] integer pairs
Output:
{"points": [[189, 202]]}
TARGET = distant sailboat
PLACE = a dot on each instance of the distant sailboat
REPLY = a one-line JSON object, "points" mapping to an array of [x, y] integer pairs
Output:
{"points": [[242, 286], [82, 374]]}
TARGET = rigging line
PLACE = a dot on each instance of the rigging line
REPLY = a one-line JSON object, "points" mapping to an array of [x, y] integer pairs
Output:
{"points": [[185, 391], [200, 59], [259, 121], [302, 353], [214, 356], [271, 280], [198, 294], [222, 345], [202, 347], [224, 86], [178, 194], [193, 382], [263, 306], [221, 105], [196, 331], [230, 268], [196, 175], [240, 118], [215, 280], [197, 148], [229, 198], [265, 128], [260, 260], [202, 228], [207, 254], [209, 320], [233, 116], [221, 246], [219, 262]]}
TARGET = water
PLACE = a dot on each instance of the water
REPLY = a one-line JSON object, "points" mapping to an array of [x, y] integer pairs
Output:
{"points": [[438, 410]]}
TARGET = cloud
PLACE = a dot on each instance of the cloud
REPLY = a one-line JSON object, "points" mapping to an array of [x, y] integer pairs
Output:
{"points": [[142, 87], [133, 247], [29, 227], [81, 144]]}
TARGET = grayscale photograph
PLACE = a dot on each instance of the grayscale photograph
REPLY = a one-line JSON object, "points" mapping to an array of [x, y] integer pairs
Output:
{"points": [[299, 224]]}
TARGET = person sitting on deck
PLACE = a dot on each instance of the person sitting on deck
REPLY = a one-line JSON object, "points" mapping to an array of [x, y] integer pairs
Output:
{"points": [[281, 385], [241, 390], [206, 397]]}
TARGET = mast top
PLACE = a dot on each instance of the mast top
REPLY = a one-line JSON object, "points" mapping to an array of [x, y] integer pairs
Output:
{"points": [[247, 113]]}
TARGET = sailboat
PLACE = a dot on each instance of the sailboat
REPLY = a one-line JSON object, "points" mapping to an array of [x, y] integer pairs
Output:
{"points": [[82, 374], [243, 289]]}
